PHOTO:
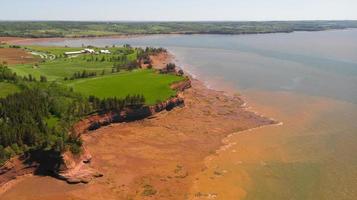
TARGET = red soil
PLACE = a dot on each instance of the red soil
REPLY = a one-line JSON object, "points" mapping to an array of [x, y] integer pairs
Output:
{"points": [[16, 56]]}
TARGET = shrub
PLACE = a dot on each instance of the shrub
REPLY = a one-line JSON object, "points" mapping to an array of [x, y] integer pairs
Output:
{"points": [[149, 190]]}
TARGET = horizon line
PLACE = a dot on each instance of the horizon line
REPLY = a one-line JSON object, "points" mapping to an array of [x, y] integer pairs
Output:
{"points": [[168, 21]]}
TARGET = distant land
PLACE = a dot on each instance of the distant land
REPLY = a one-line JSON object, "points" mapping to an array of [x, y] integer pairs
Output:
{"points": [[50, 29]]}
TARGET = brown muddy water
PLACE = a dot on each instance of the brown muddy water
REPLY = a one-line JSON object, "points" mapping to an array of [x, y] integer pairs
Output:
{"points": [[306, 80]]}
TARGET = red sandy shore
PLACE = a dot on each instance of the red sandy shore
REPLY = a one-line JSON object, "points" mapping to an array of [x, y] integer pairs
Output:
{"points": [[157, 158]]}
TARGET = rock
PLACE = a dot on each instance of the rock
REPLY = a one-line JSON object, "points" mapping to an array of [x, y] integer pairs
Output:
{"points": [[86, 179], [98, 175], [73, 180], [182, 85]]}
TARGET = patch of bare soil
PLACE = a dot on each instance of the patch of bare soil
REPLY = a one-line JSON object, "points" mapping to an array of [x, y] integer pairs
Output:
{"points": [[16, 56], [160, 60]]}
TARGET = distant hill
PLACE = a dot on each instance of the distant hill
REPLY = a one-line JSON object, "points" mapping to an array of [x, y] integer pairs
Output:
{"points": [[40, 29]]}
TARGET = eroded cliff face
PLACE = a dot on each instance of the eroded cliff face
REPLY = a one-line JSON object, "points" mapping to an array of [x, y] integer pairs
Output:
{"points": [[182, 85], [132, 114], [76, 168]]}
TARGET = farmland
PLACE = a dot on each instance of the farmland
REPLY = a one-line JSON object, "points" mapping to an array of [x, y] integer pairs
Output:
{"points": [[100, 75], [16, 56], [153, 86], [55, 66], [58, 70], [44, 95]]}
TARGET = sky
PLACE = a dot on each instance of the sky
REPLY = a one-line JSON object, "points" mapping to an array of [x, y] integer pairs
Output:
{"points": [[178, 10]]}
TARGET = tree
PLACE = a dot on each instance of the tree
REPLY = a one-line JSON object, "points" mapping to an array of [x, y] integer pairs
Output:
{"points": [[43, 79], [170, 67]]}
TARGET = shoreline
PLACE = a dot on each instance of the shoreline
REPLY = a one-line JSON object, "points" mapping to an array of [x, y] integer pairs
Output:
{"points": [[197, 93]]}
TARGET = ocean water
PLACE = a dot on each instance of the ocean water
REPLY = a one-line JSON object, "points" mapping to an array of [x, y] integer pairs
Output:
{"points": [[306, 80]]}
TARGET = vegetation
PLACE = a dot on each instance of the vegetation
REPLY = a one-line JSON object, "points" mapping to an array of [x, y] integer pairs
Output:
{"points": [[117, 104], [23, 119], [81, 29], [39, 103], [155, 87], [170, 68], [56, 66], [148, 190], [8, 88]]}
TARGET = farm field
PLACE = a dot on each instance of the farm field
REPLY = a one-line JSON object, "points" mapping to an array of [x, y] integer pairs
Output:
{"points": [[55, 66], [155, 87], [94, 74], [16, 56], [58, 70]]}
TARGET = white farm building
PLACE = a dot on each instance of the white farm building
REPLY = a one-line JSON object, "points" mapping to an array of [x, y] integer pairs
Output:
{"points": [[104, 51], [90, 51], [79, 52]]}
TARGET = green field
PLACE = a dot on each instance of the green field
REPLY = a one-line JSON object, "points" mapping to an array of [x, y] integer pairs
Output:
{"points": [[57, 70], [116, 81], [59, 51], [155, 87], [56, 66], [7, 89]]}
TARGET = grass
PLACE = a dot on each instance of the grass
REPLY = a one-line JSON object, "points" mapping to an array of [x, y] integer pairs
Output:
{"points": [[52, 121], [155, 87], [57, 51], [61, 67], [7, 89], [57, 70]]}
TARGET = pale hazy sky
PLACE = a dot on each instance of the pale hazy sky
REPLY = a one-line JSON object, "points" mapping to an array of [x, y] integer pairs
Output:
{"points": [[177, 10]]}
